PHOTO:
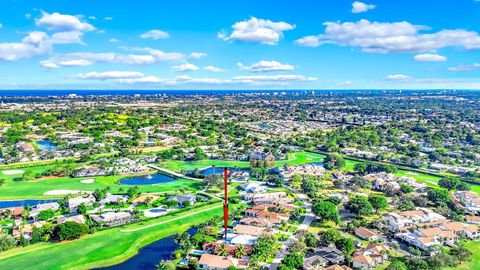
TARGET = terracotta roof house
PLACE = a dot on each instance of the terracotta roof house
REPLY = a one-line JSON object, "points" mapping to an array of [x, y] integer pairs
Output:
{"points": [[366, 234], [249, 230], [214, 262]]}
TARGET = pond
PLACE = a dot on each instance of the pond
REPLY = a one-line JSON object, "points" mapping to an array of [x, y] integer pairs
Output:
{"points": [[149, 256], [15, 203], [264, 126], [157, 178], [46, 145], [219, 170]]}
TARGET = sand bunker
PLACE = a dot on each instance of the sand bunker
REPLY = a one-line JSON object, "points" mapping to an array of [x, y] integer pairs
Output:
{"points": [[64, 192], [12, 172], [88, 181]]}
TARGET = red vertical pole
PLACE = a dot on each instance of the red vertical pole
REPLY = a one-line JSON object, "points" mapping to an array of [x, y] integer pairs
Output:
{"points": [[225, 203]]}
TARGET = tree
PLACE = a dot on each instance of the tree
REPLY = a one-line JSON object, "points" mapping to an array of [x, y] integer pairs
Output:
{"points": [[396, 265], [6, 242], [70, 230], [359, 205], [439, 196], [326, 211], [406, 188], [334, 161], [240, 251], [345, 244], [461, 253], [265, 248], [82, 209], [329, 236], [294, 260], [449, 183], [222, 250], [296, 182], [46, 214], [378, 202], [166, 265]]}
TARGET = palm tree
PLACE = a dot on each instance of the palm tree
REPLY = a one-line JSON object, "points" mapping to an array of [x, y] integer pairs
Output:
{"points": [[162, 266], [222, 250], [240, 251]]}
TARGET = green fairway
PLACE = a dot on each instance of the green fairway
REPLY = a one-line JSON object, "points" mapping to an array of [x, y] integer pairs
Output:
{"points": [[296, 158], [106, 247], [36, 188]]}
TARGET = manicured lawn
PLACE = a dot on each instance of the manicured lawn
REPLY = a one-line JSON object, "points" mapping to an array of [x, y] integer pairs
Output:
{"points": [[297, 158], [474, 247], [36, 188], [103, 248]]}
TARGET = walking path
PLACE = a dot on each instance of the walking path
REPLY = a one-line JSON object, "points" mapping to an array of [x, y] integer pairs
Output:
{"points": [[170, 220], [173, 173], [309, 218]]}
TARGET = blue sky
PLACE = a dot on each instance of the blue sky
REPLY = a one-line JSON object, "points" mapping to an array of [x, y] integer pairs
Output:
{"points": [[328, 44]]}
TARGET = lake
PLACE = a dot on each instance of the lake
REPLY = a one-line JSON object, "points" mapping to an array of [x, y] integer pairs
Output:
{"points": [[46, 145], [15, 203], [149, 256], [157, 178]]}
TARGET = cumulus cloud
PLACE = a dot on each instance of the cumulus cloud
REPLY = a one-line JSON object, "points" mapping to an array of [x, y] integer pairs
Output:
{"points": [[359, 7], [396, 37], [155, 35], [57, 21], [266, 66], [36, 43], [109, 75], [463, 67], [429, 58], [185, 67], [398, 77], [257, 30], [113, 40], [213, 69]]}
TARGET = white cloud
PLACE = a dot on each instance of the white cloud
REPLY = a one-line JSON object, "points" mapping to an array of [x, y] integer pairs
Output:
{"points": [[35, 43], [57, 21], [213, 69], [197, 55], [463, 67], [1, 26], [108, 18], [185, 67], [397, 37], [358, 7], [66, 63], [429, 58], [346, 83], [266, 66], [155, 35], [92, 18], [152, 56], [109, 75], [113, 40], [398, 77], [142, 80], [272, 78], [133, 77], [257, 30], [28, 16]]}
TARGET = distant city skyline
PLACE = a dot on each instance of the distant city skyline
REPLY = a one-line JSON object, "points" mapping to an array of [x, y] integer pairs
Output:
{"points": [[331, 44]]}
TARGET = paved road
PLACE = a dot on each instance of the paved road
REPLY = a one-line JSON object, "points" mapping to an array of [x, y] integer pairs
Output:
{"points": [[309, 218]]}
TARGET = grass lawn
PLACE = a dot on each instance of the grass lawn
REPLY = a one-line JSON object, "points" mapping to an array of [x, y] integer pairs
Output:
{"points": [[103, 248], [296, 158], [35, 189], [474, 247]]}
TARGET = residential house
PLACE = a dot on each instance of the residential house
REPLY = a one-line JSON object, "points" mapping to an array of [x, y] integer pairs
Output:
{"points": [[214, 262], [366, 234], [111, 219], [183, 200]]}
